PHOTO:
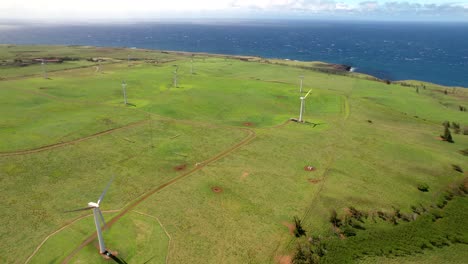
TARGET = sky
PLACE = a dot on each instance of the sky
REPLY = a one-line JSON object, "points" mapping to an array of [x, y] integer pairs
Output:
{"points": [[149, 10]]}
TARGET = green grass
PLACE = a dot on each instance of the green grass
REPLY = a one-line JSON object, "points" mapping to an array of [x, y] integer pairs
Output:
{"points": [[372, 166], [144, 233]]}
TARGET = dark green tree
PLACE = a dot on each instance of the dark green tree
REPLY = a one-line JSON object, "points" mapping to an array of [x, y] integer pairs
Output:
{"points": [[447, 135], [298, 231]]}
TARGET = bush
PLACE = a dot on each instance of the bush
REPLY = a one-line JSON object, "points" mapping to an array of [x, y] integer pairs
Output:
{"points": [[334, 219], [447, 135], [464, 152], [456, 127], [298, 231], [423, 187], [457, 168]]}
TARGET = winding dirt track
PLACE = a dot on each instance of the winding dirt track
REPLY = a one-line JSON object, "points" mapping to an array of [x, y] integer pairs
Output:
{"points": [[250, 136], [62, 144]]}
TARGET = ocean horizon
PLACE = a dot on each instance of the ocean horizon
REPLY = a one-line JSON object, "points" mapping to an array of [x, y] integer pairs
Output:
{"points": [[431, 52]]}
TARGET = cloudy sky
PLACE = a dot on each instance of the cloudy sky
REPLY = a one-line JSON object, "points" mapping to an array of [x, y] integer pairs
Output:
{"points": [[131, 10]]}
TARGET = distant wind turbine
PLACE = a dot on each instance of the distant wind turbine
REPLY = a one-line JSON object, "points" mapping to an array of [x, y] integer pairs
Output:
{"points": [[98, 220], [301, 113], [124, 89]]}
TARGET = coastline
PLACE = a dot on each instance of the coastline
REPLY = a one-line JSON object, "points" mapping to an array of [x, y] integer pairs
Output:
{"points": [[320, 66]]}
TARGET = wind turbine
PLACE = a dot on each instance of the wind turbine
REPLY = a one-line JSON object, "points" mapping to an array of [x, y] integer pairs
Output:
{"points": [[44, 72], [300, 88], [124, 86], [303, 106], [98, 214]]}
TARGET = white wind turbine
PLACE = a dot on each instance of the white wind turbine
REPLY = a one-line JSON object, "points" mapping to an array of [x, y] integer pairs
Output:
{"points": [[303, 106], [124, 90], [98, 217]]}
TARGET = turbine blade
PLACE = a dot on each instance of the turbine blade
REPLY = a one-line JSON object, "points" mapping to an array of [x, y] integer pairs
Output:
{"points": [[81, 209], [105, 190], [102, 217]]}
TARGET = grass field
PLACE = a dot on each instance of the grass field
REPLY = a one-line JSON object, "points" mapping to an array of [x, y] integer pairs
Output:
{"points": [[223, 128]]}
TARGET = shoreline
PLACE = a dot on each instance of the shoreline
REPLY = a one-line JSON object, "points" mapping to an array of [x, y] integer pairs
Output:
{"points": [[341, 69]]}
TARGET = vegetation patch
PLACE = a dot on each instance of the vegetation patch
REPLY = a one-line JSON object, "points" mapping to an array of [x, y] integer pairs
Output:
{"points": [[365, 235]]}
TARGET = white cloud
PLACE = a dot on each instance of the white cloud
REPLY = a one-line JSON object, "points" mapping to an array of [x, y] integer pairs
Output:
{"points": [[153, 9]]}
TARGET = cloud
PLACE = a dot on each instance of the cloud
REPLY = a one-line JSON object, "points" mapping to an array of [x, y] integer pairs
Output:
{"points": [[151, 9], [414, 8]]}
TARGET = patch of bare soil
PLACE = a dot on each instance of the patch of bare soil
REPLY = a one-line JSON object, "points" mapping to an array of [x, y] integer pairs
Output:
{"points": [[309, 168], [291, 227], [217, 189], [244, 175], [315, 181], [283, 259], [180, 167], [249, 124]]}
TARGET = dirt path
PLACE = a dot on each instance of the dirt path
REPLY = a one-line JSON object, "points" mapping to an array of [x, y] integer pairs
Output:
{"points": [[169, 246], [250, 136], [62, 144], [60, 229]]}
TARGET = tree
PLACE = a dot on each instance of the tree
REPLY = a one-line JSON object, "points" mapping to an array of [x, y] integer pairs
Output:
{"points": [[334, 219], [456, 127], [298, 231], [447, 135]]}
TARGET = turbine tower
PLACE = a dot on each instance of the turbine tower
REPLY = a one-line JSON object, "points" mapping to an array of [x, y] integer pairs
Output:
{"points": [[98, 217], [303, 106], [124, 88]]}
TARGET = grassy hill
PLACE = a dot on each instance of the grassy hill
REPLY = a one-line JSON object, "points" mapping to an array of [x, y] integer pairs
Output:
{"points": [[212, 171]]}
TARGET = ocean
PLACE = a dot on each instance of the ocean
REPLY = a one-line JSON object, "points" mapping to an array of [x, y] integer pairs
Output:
{"points": [[433, 52]]}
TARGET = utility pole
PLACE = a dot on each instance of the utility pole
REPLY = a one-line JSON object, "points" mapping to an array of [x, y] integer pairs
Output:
{"points": [[300, 88], [124, 86], [128, 60]]}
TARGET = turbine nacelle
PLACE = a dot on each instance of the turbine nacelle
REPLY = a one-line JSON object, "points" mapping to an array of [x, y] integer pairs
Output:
{"points": [[94, 205]]}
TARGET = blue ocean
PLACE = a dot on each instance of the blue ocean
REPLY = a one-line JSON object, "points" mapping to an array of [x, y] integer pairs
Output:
{"points": [[433, 52]]}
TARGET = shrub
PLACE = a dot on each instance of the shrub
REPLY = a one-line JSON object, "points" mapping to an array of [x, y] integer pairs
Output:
{"points": [[457, 168], [456, 127], [334, 219], [447, 135], [423, 187], [349, 231], [356, 214], [298, 231]]}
